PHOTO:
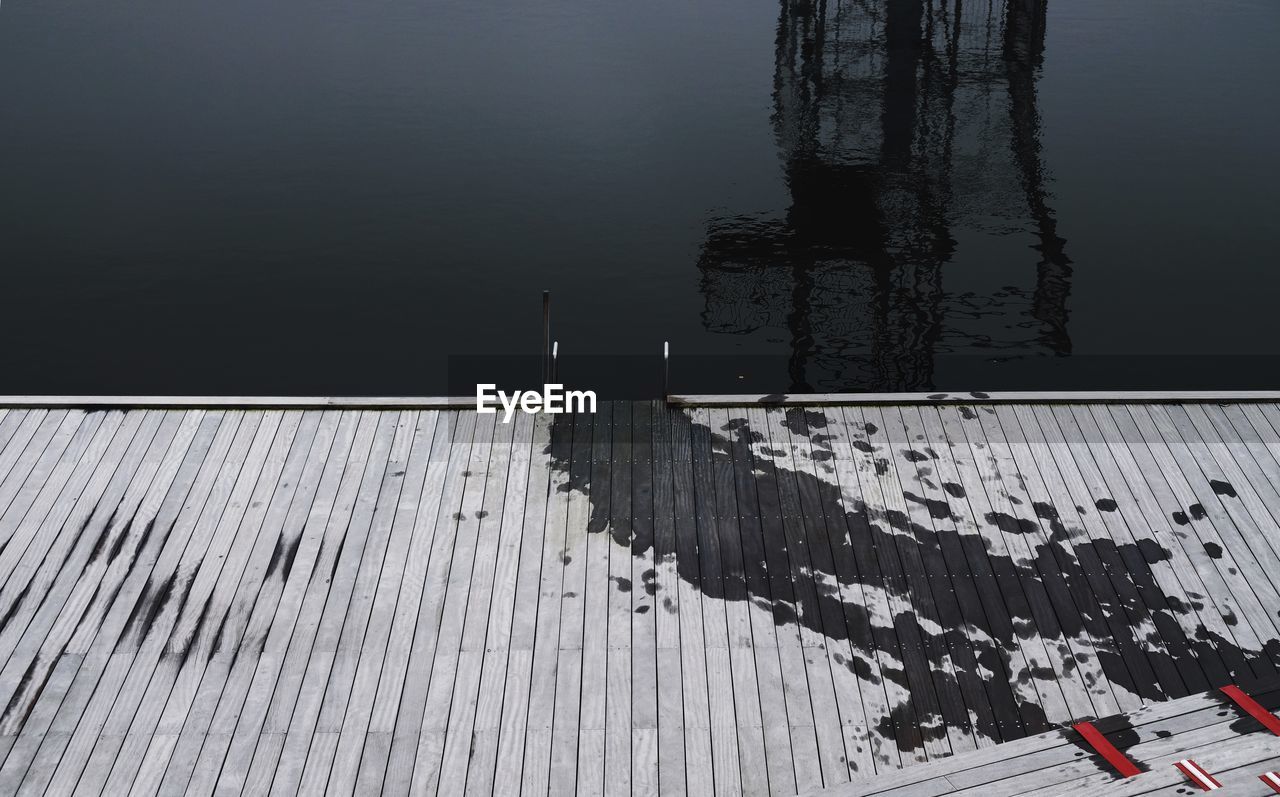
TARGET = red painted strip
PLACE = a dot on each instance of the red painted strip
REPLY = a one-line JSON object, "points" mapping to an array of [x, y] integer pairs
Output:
{"points": [[1270, 721], [1272, 779], [1196, 774], [1107, 750]]}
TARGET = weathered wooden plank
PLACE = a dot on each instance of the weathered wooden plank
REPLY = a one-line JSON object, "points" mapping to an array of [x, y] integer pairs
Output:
{"points": [[130, 665], [501, 518], [53, 578], [48, 569], [785, 669], [1002, 769], [861, 704], [1076, 665], [818, 619], [725, 755], [644, 607], [563, 767], [535, 772], [1154, 672], [728, 540], [459, 732], [566, 713], [990, 580], [929, 663], [1215, 529], [767, 704], [10, 420], [91, 605], [1254, 489], [450, 703], [644, 762], [713, 600], [216, 579], [495, 706], [1211, 471], [26, 445], [380, 676], [1235, 514], [1258, 471], [27, 493], [1245, 425], [1215, 746], [715, 625], [452, 447], [93, 642], [464, 710], [841, 724], [1180, 574], [666, 580], [618, 676], [16, 751], [171, 639], [1191, 559], [328, 647], [593, 702], [75, 578], [874, 559], [672, 778], [742, 616], [267, 688], [59, 496], [1226, 590], [1105, 599], [513, 729], [1026, 596], [376, 647], [698, 754], [1158, 586], [617, 730], [244, 623], [522, 624], [960, 612]]}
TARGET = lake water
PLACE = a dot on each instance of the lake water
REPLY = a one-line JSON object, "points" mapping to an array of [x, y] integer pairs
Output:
{"points": [[345, 198]]}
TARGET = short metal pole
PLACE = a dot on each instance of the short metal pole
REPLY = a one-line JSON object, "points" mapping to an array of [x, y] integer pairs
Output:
{"points": [[555, 352], [546, 336], [666, 368]]}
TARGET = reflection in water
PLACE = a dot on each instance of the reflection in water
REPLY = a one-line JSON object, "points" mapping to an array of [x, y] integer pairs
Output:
{"points": [[899, 122]]}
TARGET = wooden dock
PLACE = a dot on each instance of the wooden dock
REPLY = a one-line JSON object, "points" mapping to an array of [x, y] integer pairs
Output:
{"points": [[651, 599], [1208, 728]]}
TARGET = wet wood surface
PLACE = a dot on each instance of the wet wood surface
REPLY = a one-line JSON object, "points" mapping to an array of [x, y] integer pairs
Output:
{"points": [[645, 600], [1207, 728]]}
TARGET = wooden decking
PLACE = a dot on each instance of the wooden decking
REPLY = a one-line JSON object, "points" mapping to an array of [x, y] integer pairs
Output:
{"points": [[700, 600], [1207, 728]]}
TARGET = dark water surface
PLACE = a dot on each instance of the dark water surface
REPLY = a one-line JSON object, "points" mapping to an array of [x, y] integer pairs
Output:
{"points": [[332, 198]]}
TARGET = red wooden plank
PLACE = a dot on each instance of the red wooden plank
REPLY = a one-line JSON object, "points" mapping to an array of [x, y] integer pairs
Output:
{"points": [[1270, 721], [1196, 774], [1107, 750]]}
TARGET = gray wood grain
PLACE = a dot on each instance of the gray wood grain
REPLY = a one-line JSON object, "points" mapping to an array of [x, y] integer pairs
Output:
{"points": [[283, 597]]}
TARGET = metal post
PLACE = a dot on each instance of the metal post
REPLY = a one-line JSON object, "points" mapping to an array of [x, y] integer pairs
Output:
{"points": [[666, 368], [555, 352], [546, 337]]}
